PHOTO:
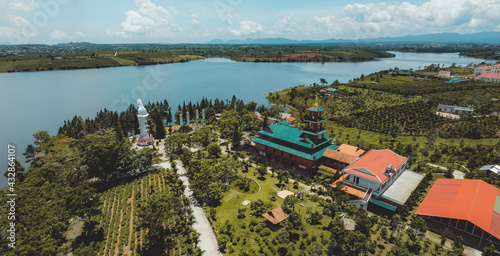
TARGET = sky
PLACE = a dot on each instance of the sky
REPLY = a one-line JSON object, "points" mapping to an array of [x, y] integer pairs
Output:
{"points": [[199, 21]]}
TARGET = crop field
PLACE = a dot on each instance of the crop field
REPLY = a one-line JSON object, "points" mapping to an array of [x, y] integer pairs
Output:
{"points": [[119, 219]]}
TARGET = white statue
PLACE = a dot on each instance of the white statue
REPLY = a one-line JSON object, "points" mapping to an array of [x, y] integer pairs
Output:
{"points": [[145, 138]]}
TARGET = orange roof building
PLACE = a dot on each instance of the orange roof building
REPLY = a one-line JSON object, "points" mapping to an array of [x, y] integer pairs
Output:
{"points": [[376, 166], [335, 160], [276, 215], [470, 208], [382, 175]]}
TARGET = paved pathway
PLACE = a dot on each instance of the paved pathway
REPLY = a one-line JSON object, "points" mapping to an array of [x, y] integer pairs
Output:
{"points": [[456, 173], [208, 241]]}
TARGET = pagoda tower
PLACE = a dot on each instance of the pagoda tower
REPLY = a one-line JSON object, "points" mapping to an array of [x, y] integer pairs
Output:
{"points": [[145, 138], [314, 120]]}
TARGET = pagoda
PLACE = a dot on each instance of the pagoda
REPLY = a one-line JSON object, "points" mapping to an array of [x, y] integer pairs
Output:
{"points": [[145, 138], [294, 148]]}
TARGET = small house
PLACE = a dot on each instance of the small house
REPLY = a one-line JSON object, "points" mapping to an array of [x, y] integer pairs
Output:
{"points": [[457, 110], [275, 216], [331, 91], [444, 74], [491, 169]]}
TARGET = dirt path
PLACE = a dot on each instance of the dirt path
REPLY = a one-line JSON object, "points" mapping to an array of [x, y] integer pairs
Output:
{"points": [[126, 249], [110, 227], [118, 234]]}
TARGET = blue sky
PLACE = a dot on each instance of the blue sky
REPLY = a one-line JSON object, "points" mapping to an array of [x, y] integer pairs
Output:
{"points": [[197, 21]]}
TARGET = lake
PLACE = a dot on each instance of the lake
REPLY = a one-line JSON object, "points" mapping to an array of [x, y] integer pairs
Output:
{"points": [[35, 101]]}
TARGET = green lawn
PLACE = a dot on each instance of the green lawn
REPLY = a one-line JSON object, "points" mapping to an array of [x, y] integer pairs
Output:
{"points": [[245, 185], [123, 61], [248, 232]]}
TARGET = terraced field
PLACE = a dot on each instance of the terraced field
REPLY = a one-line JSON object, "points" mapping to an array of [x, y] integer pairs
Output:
{"points": [[119, 219]]}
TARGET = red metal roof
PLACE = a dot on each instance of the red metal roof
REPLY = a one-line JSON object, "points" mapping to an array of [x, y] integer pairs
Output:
{"points": [[490, 75], [443, 71], [375, 161], [471, 200], [290, 119], [496, 65]]}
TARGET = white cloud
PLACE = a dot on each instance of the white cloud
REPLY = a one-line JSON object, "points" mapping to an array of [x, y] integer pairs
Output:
{"points": [[195, 18], [58, 35], [79, 34], [23, 5], [228, 18], [395, 19], [149, 19], [247, 27], [18, 21]]}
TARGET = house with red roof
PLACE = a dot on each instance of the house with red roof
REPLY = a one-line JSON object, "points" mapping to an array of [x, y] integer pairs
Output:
{"points": [[444, 74], [334, 160], [490, 77], [382, 178], [482, 69], [275, 216], [469, 208]]}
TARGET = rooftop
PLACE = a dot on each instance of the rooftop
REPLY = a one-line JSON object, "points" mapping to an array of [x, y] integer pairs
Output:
{"points": [[373, 164], [339, 156], [492, 168], [455, 107], [472, 200], [491, 75], [483, 67], [310, 154], [402, 188], [351, 150], [276, 215], [283, 131]]}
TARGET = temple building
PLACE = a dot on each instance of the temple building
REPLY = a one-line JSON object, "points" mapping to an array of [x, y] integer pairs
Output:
{"points": [[294, 148], [145, 138]]}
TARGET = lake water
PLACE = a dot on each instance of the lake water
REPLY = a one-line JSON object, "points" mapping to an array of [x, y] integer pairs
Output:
{"points": [[35, 101]]}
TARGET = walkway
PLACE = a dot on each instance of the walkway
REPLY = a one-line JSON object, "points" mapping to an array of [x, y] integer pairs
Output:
{"points": [[456, 173], [208, 241]]}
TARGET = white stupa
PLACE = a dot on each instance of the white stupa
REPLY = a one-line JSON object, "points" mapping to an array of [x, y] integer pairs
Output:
{"points": [[145, 138]]}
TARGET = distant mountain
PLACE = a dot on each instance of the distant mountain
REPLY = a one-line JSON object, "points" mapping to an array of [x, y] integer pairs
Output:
{"points": [[478, 38]]}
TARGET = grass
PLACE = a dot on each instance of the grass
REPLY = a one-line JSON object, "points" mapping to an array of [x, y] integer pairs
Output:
{"points": [[124, 62], [247, 237], [239, 185]]}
